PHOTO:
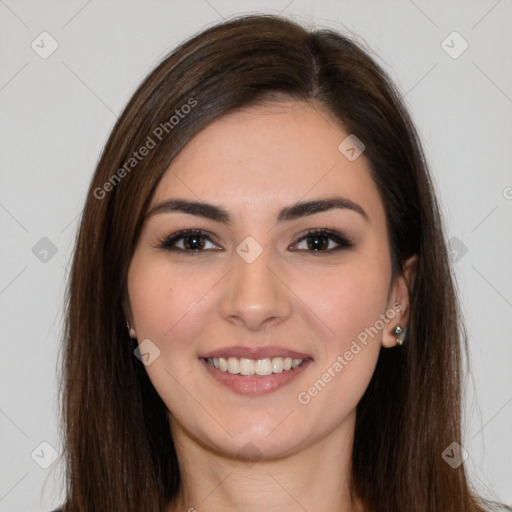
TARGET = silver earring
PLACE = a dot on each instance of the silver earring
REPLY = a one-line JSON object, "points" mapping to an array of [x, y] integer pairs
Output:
{"points": [[399, 332], [131, 331]]}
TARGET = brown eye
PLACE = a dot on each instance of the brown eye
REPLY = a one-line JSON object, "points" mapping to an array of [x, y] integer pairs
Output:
{"points": [[192, 241], [321, 241]]}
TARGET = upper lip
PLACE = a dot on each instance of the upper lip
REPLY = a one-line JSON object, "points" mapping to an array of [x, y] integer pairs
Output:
{"points": [[255, 353]]}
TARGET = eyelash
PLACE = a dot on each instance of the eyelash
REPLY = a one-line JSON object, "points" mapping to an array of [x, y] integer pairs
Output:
{"points": [[168, 243]]}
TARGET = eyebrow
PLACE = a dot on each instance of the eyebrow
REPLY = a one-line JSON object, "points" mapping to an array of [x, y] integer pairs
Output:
{"points": [[220, 214]]}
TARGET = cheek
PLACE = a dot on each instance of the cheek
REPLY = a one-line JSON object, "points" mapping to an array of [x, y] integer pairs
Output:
{"points": [[168, 310], [352, 310], [348, 300], [163, 302]]}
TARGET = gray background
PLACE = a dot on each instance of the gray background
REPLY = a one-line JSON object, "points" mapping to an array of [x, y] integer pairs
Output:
{"points": [[57, 113]]}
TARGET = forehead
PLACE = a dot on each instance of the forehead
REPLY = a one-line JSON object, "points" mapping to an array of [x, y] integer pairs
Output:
{"points": [[265, 155]]}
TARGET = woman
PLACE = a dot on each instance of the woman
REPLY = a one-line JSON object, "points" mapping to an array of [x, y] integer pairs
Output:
{"points": [[261, 312]]}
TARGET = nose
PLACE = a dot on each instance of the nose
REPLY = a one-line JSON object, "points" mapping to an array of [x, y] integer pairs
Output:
{"points": [[254, 295]]}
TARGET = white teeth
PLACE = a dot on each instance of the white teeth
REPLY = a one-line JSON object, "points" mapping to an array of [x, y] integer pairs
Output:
{"points": [[264, 367], [233, 365], [277, 365], [247, 366], [261, 367]]}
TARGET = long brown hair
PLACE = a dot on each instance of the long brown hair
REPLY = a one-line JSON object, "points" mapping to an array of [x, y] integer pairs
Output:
{"points": [[118, 446]]}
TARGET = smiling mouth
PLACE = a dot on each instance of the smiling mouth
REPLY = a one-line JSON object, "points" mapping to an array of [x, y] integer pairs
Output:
{"points": [[254, 367]]}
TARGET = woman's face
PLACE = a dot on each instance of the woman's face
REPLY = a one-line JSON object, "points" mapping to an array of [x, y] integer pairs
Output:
{"points": [[254, 290]]}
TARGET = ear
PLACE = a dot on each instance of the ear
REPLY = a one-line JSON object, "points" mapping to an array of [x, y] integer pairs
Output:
{"points": [[398, 300], [128, 314]]}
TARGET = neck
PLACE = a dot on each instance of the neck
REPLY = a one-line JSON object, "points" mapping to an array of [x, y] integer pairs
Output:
{"points": [[313, 478]]}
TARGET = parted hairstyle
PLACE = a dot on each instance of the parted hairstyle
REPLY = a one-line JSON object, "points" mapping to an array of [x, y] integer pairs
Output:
{"points": [[118, 447]]}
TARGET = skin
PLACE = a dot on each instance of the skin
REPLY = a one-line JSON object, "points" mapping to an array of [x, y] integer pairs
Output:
{"points": [[253, 162]]}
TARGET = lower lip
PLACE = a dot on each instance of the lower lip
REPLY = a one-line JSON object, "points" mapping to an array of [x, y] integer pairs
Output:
{"points": [[258, 384]]}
